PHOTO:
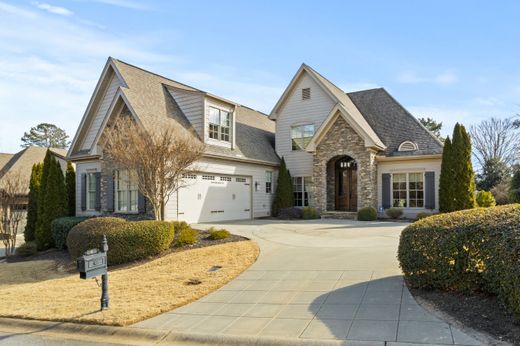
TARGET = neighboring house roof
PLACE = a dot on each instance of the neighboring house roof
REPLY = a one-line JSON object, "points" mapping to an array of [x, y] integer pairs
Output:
{"points": [[4, 158], [21, 163], [148, 99], [394, 124]]}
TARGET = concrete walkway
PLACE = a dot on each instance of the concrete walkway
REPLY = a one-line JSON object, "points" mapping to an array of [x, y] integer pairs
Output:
{"points": [[316, 281]]}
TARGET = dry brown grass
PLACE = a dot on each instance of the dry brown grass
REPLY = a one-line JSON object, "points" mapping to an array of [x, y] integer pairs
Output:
{"points": [[38, 290]]}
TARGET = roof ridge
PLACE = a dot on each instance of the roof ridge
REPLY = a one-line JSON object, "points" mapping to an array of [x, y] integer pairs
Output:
{"points": [[322, 76], [365, 90], [156, 74]]}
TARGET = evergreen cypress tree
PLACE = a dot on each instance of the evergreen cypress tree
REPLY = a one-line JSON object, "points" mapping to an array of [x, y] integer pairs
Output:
{"points": [[70, 181], [284, 197], [446, 179], [463, 176], [514, 187], [32, 206], [52, 201]]}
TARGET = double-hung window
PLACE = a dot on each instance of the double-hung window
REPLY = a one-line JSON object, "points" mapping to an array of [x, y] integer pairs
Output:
{"points": [[301, 136], [126, 192], [219, 124], [268, 182], [301, 189], [408, 190], [91, 191]]}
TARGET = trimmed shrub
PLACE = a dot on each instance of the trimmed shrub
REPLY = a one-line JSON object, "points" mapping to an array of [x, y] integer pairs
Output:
{"points": [[309, 213], [178, 225], [367, 214], [27, 249], [394, 213], [127, 241], [283, 197], [186, 236], [514, 187], [218, 234], [70, 183], [292, 213], [469, 250], [423, 215], [61, 227], [32, 206], [485, 199]]}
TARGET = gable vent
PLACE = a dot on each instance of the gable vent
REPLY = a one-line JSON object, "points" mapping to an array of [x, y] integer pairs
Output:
{"points": [[306, 93], [407, 146]]}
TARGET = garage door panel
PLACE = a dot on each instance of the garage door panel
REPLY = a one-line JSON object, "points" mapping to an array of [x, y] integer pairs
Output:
{"points": [[212, 197]]}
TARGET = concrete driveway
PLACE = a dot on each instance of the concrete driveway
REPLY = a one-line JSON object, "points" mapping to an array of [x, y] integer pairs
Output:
{"points": [[315, 281]]}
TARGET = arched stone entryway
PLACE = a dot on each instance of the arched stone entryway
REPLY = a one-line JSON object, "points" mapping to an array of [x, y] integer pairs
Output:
{"points": [[342, 189]]}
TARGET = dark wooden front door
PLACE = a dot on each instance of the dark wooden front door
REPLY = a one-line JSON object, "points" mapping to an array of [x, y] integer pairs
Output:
{"points": [[346, 188]]}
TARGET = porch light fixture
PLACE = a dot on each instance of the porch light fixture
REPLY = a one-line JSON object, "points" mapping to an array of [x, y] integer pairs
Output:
{"points": [[257, 186]]}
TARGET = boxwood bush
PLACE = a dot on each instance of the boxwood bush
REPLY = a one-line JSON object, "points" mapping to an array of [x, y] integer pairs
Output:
{"points": [[215, 234], [485, 199], [61, 227], [186, 236], [394, 213], [127, 240], [465, 251], [309, 213], [292, 213], [367, 214]]}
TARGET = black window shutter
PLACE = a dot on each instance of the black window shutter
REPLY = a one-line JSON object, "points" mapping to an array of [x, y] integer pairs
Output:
{"points": [[141, 202], [110, 192], [98, 191], [386, 190], [429, 190], [83, 191]]}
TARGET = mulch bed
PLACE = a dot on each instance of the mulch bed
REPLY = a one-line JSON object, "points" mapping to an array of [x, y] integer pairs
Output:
{"points": [[481, 312], [62, 259]]}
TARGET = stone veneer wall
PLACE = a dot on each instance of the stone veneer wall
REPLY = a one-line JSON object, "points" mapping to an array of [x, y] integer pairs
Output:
{"points": [[341, 140]]}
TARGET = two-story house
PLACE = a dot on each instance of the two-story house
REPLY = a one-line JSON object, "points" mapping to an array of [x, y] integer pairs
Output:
{"points": [[344, 151]]}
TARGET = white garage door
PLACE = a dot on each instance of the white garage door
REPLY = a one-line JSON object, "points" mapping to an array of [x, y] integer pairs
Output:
{"points": [[213, 197]]}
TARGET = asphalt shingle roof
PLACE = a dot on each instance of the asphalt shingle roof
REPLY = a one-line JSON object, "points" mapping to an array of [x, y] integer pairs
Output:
{"points": [[149, 98], [393, 124]]}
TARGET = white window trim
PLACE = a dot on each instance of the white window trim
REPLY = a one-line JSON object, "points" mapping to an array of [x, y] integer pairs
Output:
{"points": [[116, 198], [401, 146], [407, 173], [302, 125], [303, 192], [88, 191], [219, 129], [271, 182]]}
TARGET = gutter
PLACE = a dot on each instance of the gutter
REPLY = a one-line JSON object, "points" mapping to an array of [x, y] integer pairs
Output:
{"points": [[406, 158]]}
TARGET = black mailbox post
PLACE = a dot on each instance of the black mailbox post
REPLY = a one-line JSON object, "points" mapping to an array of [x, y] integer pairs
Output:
{"points": [[94, 263]]}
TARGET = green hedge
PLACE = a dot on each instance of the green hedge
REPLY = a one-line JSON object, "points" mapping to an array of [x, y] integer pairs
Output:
{"points": [[127, 241], [186, 236], [367, 214], [61, 227], [27, 249], [469, 250]]}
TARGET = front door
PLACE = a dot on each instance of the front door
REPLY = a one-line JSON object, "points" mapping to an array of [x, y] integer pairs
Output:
{"points": [[346, 186]]}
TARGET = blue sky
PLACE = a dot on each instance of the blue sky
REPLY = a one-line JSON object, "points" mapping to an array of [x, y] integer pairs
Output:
{"points": [[450, 60]]}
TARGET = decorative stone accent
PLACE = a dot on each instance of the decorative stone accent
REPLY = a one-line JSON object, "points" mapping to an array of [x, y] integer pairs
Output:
{"points": [[341, 140]]}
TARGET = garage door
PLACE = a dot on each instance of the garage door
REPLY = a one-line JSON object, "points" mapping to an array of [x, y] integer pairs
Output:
{"points": [[213, 197]]}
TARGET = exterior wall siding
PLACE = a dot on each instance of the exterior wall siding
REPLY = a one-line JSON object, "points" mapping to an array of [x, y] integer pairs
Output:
{"points": [[296, 111], [411, 166], [192, 105], [101, 112], [84, 167], [261, 200]]}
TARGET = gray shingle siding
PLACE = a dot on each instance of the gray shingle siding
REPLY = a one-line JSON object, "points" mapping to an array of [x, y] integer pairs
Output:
{"points": [[393, 123]]}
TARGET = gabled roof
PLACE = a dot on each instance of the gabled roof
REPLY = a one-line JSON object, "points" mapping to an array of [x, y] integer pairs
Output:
{"points": [[21, 163], [394, 124], [343, 103], [147, 97]]}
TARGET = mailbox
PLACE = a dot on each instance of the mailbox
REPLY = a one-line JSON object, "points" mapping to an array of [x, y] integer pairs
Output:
{"points": [[93, 263]]}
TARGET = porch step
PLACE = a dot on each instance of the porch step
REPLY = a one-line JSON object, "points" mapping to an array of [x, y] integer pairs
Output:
{"points": [[343, 215]]}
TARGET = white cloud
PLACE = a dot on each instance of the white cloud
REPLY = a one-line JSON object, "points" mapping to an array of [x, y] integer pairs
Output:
{"points": [[357, 86], [134, 5], [62, 11], [13, 10], [444, 78]]}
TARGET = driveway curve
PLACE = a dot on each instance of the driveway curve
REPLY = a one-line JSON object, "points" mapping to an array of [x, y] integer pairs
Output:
{"points": [[318, 281]]}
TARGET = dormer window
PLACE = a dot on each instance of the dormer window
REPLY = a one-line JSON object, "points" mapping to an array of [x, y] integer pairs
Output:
{"points": [[306, 93], [407, 146], [219, 124]]}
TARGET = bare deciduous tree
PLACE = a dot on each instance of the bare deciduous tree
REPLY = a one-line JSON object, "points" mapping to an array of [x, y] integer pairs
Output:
{"points": [[497, 139], [157, 157], [13, 191]]}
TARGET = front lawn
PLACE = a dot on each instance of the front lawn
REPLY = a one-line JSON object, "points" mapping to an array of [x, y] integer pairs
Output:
{"points": [[45, 290]]}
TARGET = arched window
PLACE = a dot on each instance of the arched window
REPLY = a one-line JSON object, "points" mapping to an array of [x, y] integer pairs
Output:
{"points": [[407, 146]]}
